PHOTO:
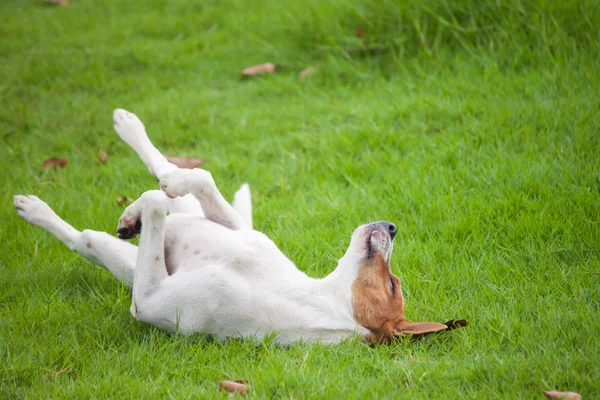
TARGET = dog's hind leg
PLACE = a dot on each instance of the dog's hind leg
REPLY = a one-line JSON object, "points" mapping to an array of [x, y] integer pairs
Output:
{"points": [[100, 248], [131, 129], [150, 269]]}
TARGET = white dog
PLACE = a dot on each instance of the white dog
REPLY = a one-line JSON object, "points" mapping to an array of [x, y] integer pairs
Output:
{"points": [[204, 269]]}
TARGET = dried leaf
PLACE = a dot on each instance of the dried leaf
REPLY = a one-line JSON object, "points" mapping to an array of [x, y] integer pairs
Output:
{"points": [[124, 201], [55, 162], [259, 69], [233, 386], [61, 3], [102, 157], [552, 394], [185, 162], [306, 72]]}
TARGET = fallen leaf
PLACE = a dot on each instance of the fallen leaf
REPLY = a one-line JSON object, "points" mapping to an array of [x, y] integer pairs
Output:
{"points": [[55, 162], [233, 386], [61, 3], [360, 32], [185, 162], [552, 394], [124, 201], [259, 69], [102, 157], [306, 72]]}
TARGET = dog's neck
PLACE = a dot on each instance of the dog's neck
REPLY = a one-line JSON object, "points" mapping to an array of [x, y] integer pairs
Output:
{"points": [[323, 306]]}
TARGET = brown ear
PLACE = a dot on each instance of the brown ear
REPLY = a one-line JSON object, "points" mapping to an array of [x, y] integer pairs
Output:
{"points": [[415, 330], [418, 329]]}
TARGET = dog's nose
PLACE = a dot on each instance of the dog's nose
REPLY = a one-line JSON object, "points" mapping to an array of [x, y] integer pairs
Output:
{"points": [[392, 229]]}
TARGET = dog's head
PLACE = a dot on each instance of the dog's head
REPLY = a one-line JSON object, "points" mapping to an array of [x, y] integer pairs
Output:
{"points": [[377, 300]]}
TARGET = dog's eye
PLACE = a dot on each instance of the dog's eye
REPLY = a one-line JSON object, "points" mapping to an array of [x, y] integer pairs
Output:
{"points": [[392, 285]]}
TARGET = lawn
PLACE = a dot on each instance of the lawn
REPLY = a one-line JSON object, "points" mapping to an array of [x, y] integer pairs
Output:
{"points": [[473, 125]]}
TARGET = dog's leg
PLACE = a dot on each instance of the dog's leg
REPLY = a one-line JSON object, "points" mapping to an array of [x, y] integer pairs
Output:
{"points": [[129, 127], [150, 269], [200, 183], [100, 248]]}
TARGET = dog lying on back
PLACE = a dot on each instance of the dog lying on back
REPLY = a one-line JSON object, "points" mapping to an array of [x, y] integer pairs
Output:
{"points": [[202, 268]]}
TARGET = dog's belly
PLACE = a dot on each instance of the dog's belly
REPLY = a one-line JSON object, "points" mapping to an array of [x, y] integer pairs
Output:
{"points": [[193, 242]]}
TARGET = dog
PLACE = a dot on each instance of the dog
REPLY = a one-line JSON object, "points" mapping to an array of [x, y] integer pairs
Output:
{"points": [[202, 268]]}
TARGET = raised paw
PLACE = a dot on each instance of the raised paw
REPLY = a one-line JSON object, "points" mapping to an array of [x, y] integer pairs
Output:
{"points": [[129, 229], [129, 127], [180, 182], [130, 223], [174, 183], [33, 210]]}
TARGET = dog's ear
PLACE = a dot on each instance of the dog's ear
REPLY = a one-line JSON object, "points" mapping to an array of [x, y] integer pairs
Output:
{"points": [[417, 329], [456, 323], [420, 329], [414, 330]]}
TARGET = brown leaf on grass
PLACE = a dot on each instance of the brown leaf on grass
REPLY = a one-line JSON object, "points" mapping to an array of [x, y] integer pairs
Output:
{"points": [[259, 69], [306, 72], [124, 201], [185, 162], [234, 386], [360, 32], [552, 394], [55, 162], [102, 157], [61, 3]]}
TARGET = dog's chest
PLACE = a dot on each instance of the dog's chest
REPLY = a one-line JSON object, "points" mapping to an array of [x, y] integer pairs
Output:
{"points": [[193, 242]]}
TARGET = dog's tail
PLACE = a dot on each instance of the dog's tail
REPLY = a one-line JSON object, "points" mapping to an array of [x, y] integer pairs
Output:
{"points": [[242, 204]]}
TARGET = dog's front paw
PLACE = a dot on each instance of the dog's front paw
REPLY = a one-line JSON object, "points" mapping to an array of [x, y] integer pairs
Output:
{"points": [[175, 183], [180, 182], [129, 127]]}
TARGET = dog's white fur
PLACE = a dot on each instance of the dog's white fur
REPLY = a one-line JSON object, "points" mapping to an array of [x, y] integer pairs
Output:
{"points": [[204, 269]]}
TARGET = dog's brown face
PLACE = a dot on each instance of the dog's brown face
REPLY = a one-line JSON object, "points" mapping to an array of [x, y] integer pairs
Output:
{"points": [[377, 299]]}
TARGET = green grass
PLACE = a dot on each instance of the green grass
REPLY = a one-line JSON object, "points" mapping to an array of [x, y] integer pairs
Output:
{"points": [[472, 125]]}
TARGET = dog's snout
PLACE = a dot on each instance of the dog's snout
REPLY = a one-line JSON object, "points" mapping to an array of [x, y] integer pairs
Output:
{"points": [[388, 226], [392, 229]]}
